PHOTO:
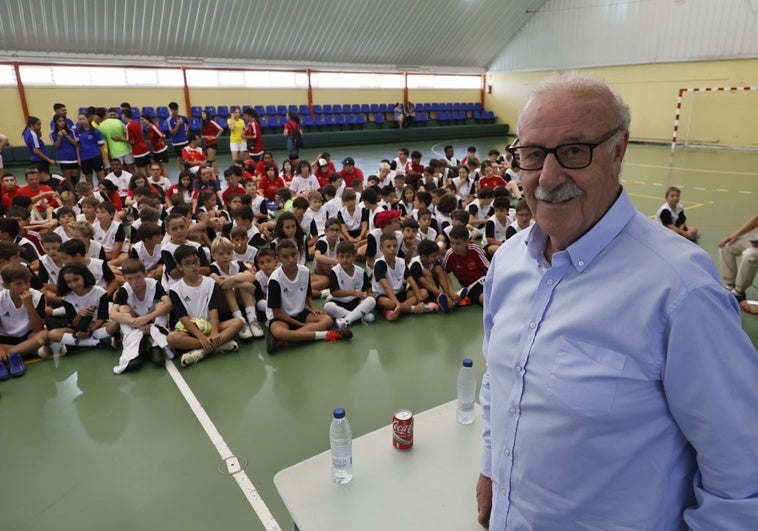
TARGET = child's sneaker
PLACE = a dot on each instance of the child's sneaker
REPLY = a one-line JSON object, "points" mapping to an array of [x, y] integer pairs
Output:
{"points": [[3, 371], [443, 302], [334, 335], [369, 317], [229, 346], [256, 329], [44, 351], [324, 293], [465, 301], [16, 364], [389, 315], [431, 307], [245, 333], [193, 356], [272, 344], [156, 357], [341, 323]]}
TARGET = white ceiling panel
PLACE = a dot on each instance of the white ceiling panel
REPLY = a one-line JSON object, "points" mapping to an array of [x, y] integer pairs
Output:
{"points": [[459, 35]]}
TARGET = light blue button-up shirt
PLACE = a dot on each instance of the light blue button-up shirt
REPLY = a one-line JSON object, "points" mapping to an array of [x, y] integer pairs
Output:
{"points": [[621, 392]]}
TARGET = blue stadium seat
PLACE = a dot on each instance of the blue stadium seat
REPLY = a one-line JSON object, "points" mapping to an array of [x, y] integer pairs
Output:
{"points": [[374, 108], [264, 122], [384, 108], [379, 120], [293, 108], [150, 111], [195, 111], [329, 120], [426, 107], [82, 110], [365, 108], [327, 109], [307, 121], [135, 112], [262, 110], [350, 121], [318, 120], [336, 108], [317, 109], [478, 106], [360, 120], [195, 124], [281, 110], [211, 110], [163, 125], [223, 111], [271, 110], [303, 110], [162, 112]]}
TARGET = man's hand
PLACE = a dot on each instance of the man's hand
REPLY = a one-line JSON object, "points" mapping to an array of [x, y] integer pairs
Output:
{"points": [[484, 500]]}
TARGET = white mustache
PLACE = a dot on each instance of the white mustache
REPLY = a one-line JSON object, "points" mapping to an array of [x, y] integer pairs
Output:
{"points": [[558, 195]]}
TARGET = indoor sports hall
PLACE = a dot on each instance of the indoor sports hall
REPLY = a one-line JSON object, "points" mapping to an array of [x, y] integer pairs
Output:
{"points": [[198, 448]]}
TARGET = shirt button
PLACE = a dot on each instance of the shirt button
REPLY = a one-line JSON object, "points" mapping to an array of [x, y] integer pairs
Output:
{"points": [[512, 410], [505, 492], [581, 263], [550, 282], [507, 452], [532, 325], [518, 368]]}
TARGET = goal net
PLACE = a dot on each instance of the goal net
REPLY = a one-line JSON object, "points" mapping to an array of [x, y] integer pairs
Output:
{"points": [[716, 117]]}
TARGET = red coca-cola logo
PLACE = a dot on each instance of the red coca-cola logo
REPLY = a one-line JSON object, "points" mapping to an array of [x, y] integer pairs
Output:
{"points": [[402, 428]]}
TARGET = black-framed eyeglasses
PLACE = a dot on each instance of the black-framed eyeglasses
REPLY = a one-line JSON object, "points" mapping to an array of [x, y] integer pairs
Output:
{"points": [[193, 263], [574, 156]]}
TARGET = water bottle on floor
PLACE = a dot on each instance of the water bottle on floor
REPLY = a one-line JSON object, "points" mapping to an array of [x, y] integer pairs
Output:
{"points": [[341, 443], [466, 392]]}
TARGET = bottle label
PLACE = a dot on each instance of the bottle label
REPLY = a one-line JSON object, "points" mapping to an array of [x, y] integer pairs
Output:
{"points": [[342, 462]]}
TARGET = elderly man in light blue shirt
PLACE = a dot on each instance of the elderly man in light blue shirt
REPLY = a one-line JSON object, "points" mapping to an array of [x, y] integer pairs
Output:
{"points": [[621, 392]]}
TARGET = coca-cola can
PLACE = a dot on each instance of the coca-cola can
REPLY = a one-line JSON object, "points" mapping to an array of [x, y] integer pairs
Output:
{"points": [[402, 430]]}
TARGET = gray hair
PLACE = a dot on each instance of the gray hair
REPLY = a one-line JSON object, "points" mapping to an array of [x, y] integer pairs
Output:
{"points": [[583, 83]]}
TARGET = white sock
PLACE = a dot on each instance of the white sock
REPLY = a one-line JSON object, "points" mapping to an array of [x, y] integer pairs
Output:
{"points": [[250, 313], [238, 314], [334, 310], [320, 335]]}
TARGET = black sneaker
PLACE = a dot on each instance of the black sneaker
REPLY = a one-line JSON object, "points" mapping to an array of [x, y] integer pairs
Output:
{"points": [[156, 356]]}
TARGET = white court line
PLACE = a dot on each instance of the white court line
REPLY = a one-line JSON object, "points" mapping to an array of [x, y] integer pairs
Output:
{"points": [[242, 479], [694, 170], [744, 192], [721, 190], [699, 188]]}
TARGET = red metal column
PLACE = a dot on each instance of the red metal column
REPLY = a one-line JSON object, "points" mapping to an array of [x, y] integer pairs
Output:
{"points": [[310, 92], [186, 92], [21, 91]]}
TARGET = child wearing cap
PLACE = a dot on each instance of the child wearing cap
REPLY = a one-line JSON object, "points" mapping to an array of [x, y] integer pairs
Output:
{"points": [[386, 222], [349, 172]]}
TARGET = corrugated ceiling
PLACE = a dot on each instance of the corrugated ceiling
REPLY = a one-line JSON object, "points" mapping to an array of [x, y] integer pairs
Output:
{"points": [[452, 35]]}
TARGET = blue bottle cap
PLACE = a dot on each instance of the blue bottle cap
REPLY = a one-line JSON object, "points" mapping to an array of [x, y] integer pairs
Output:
{"points": [[468, 363], [339, 413]]}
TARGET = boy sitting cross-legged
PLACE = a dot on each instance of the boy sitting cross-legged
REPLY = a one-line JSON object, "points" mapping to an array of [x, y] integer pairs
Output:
{"points": [[22, 327], [141, 307], [291, 314], [237, 283], [350, 296], [195, 300], [396, 290]]}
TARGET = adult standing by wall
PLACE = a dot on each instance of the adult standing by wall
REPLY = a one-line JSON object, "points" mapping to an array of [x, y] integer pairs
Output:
{"points": [[210, 132], [90, 153], [620, 388], [178, 125], [294, 133], [237, 144], [113, 132]]}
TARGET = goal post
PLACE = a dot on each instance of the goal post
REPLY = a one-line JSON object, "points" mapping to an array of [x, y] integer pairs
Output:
{"points": [[724, 117]]}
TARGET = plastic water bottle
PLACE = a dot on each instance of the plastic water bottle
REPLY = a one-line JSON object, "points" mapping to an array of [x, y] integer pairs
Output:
{"points": [[341, 443], [466, 392]]}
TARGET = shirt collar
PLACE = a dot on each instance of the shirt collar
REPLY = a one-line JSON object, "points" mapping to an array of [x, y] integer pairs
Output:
{"points": [[583, 251]]}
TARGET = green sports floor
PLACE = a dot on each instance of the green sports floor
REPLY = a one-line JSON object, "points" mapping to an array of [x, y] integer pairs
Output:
{"points": [[84, 449]]}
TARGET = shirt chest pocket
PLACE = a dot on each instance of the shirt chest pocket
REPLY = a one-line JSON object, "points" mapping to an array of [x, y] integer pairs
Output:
{"points": [[584, 377]]}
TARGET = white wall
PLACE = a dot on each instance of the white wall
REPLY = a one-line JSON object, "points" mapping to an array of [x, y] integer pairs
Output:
{"points": [[567, 34]]}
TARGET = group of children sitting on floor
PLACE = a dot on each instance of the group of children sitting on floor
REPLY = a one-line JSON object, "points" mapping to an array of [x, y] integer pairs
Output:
{"points": [[161, 276]]}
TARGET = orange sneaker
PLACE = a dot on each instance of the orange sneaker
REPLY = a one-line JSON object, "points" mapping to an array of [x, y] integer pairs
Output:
{"points": [[465, 301], [335, 335]]}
